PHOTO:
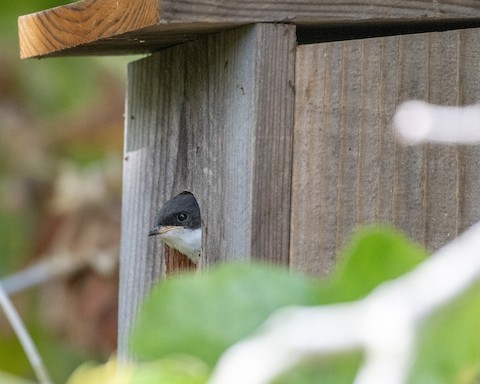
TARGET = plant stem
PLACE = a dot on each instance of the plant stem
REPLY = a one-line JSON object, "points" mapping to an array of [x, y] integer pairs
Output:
{"points": [[24, 338]]}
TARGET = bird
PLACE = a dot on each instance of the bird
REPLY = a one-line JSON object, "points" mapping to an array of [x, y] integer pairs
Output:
{"points": [[178, 224]]}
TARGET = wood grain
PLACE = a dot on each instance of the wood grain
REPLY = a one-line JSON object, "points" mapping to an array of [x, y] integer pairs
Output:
{"points": [[130, 26], [214, 117], [348, 169], [176, 262], [82, 22]]}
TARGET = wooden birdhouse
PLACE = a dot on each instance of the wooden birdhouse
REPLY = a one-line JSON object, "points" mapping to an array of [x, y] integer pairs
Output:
{"points": [[277, 117]]}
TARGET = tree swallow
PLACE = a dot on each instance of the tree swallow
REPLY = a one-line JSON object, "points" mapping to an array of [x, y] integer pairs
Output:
{"points": [[179, 225]]}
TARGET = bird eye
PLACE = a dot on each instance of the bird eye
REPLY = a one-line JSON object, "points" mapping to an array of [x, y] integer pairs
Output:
{"points": [[182, 216]]}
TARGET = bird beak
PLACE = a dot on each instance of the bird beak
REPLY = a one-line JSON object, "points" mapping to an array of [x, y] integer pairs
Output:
{"points": [[162, 230], [154, 231]]}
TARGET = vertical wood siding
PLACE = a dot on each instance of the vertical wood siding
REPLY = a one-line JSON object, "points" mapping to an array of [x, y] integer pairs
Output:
{"points": [[348, 169], [214, 117]]}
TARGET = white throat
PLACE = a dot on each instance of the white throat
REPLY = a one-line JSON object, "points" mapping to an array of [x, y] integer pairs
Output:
{"points": [[184, 240]]}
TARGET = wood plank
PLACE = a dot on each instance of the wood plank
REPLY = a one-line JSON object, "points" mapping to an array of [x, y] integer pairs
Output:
{"points": [[214, 117], [131, 26], [348, 169], [468, 156], [82, 22]]}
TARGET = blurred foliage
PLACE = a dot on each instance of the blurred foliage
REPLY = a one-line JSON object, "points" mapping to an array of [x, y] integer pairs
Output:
{"points": [[340, 368], [172, 370], [51, 110], [55, 114], [374, 255], [108, 373], [214, 311], [202, 316], [199, 317], [450, 343]]}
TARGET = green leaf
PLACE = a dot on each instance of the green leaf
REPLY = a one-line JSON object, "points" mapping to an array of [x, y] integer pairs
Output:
{"points": [[449, 344], [6, 378], [374, 255], [203, 315], [340, 368], [174, 370]]}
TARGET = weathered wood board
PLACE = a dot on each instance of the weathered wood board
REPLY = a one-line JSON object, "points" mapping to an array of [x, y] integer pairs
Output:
{"points": [[348, 168], [214, 117], [97, 27]]}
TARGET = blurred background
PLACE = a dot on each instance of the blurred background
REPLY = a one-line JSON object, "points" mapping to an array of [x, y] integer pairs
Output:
{"points": [[61, 139]]}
